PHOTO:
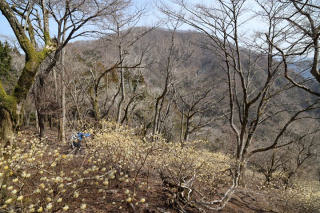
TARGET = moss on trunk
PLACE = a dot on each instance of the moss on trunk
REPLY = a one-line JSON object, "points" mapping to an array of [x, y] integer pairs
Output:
{"points": [[26, 79], [8, 109], [9, 103]]}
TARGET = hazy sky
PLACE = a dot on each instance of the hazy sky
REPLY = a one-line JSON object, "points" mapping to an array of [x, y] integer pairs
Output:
{"points": [[151, 17], [4, 26]]}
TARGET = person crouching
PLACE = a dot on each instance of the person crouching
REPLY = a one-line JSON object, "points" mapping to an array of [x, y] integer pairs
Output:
{"points": [[78, 140]]}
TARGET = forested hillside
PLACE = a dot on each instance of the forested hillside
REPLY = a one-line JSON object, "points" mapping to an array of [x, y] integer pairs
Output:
{"points": [[99, 113]]}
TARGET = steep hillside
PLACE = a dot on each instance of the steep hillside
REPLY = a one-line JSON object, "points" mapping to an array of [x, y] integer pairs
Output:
{"points": [[118, 171], [198, 67]]}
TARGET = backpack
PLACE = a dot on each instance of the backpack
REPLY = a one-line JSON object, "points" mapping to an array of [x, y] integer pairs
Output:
{"points": [[74, 140]]}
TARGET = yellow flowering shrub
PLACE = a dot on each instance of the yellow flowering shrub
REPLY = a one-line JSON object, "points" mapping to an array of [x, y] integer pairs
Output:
{"points": [[112, 173], [117, 171], [304, 195]]}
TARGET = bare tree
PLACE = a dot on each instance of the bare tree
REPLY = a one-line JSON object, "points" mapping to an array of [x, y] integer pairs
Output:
{"points": [[301, 41], [195, 105], [96, 78], [168, 77], [301, 153], [167, 64], [122, 37], [249, 103], [299, 149], [30, 23], [25, 32], [74, 19], [123, 45], [77, 88]]}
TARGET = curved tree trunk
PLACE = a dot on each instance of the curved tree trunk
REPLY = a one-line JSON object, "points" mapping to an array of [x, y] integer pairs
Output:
{"points": [[10, 105]]}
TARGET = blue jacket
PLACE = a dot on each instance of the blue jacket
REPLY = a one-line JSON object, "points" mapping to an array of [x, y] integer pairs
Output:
{"points": [[81, 135]]}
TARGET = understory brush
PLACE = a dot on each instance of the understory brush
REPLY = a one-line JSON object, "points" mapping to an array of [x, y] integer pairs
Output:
{"points": [[117, 171]]}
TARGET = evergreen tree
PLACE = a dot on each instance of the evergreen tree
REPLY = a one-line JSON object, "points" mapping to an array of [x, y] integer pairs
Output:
{"points": [[5, 60]]}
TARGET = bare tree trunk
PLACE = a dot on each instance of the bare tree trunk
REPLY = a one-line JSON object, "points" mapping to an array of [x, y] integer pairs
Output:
{"points": [[160, 98], [187, 131], [122, 97], [159, 116], [27, 118], [155, 118], [41, 120], [6, 127], [164, 117], [158, 107], [20, 116], [112, 102], [50, 121], [56, 93], [55, 84], [94, 103], [126, 111], [121, 87], [41, 117], [96, 108], [181, 124], [37, 120], [62, 122]]}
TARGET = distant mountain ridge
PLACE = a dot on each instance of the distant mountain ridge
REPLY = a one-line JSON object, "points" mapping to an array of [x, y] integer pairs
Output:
{"points": [[204, 63]]}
